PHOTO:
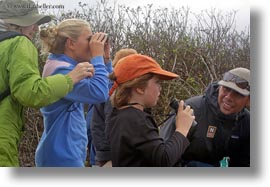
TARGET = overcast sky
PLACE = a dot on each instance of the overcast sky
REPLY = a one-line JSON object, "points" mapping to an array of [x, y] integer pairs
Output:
{"points": [[241, 6]]}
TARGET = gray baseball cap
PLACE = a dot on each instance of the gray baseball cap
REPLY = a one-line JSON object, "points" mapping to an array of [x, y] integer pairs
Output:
{"points": [[21, 13], [237, 79]]}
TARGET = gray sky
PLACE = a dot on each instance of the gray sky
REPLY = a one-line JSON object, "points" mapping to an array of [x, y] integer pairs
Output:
{"points": [[241, 6]]}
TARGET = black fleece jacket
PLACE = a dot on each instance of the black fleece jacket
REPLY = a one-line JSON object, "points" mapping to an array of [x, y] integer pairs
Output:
{"points": [[218, 135], [135, 141]]}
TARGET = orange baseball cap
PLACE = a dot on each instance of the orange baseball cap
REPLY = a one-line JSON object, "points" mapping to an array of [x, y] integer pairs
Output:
{"points": [[136, 65]]}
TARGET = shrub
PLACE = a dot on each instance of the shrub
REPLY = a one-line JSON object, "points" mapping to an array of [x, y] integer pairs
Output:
{"points": [[198, 52]]}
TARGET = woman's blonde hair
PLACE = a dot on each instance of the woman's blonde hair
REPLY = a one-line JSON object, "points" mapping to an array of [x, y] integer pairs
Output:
{"points": [[122, 94], [54, 37]]}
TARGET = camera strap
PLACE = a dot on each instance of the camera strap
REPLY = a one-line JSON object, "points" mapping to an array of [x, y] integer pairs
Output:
{"points": [[168, 117]]}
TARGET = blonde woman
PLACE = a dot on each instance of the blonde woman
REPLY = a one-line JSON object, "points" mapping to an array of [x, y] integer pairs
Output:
{"points": [[20, 82], [64, 140]]}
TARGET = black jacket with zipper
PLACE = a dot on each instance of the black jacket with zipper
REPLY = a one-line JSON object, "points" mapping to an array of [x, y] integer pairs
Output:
{"points": [[218, 135]]}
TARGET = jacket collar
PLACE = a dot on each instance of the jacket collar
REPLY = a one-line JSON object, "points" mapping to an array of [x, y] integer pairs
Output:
{"points": [[62, 57]]}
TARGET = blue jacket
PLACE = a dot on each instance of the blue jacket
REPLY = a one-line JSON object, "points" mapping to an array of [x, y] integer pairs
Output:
{"points": [[64, 140]]}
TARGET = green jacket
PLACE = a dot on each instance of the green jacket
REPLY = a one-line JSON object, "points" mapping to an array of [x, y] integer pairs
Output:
{"points": [[19, 71]]}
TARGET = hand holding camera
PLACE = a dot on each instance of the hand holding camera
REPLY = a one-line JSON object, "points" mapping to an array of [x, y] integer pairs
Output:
{"points": [[185, 117]]}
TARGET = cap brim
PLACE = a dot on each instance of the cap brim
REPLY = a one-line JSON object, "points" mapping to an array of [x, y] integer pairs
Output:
{"points": [[234, 87], [28, 20], [165, 75]]}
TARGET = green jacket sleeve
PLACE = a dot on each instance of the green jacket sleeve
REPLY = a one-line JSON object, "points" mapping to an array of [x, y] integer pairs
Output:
{"points": [[25, 82]]}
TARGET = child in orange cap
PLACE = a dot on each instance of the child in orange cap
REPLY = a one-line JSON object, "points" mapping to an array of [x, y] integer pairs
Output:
{"points": [[133, 134]]}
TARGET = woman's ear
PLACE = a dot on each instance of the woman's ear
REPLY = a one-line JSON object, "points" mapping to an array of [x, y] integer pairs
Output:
{"points": [[70, 44]]}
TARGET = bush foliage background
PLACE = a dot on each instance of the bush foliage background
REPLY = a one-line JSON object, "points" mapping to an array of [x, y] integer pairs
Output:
{"points": [[198, 50]]}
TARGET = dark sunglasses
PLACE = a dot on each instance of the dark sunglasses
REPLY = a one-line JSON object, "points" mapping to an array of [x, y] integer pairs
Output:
{"points": [[241, 83]]}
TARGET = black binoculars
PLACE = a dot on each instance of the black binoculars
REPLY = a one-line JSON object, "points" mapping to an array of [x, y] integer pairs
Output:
{"points": [[174, 104]]}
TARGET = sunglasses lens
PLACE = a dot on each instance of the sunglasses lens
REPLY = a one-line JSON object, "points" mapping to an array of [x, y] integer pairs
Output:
{"points": [[241, 83]]}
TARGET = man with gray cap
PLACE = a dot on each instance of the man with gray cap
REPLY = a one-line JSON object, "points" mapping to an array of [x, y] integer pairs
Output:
{"points": [[223, 129], [20, 82]]}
